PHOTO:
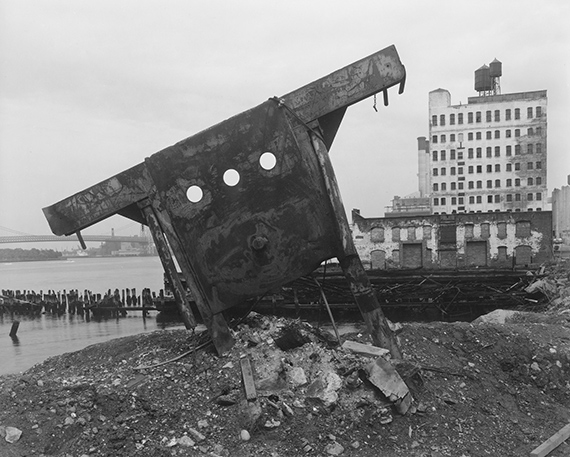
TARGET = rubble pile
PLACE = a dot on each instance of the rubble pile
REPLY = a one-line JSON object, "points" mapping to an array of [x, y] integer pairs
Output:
{"points": [[290, 389], [556, 286]]}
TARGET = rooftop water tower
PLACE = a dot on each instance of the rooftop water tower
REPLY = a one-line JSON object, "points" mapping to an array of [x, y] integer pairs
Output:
{"points": [[487, 79]]}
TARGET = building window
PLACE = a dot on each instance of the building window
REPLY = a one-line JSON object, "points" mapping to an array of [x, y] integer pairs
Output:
{"points": [[529, 148], [530, 182], [497, 151], [479, 184], [460, 118], [489, 168], [442, 119], [460, 185], [470, 136], [452, 171], [497, 183], [452, 137], [529, 166], [434, 172], [488, 116], [453, 186], [442, 200], [508, 133], [377, 235], [538, 148], [538, 181], [443, 186], [434, 120], [479, 168], [436, 201], [509, 182], [459, 155], [470, 169], [517, 133], [479, 153], [452, 154], [442, 171], [517, 149], [517, 197], [497, 198], [528, 197], [529, 112], [470, 118], [509, 151], [452, 119], [538, 111], [497, 115], [538, 165], [442, 155], [470, 184], [539, 131], [497, 168], [517, 166], [434, 139], [460, 200], [509, 167], [454, 200], [442, 139], [489, 151], [470, 153], [478, 116], [508, 115], [489, 183], [489, 135], [434, 156], [471, 200], [478, 135], [497, 134], [517, 113], [489, 200], [517, 182], [530, 131], [479, 199], [395, 233], [539, 196], [435, 187], [509, 197], [459, 170]]}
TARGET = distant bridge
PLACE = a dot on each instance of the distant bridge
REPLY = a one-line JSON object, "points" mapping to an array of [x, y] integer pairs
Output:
{"points": [[86, 238]]}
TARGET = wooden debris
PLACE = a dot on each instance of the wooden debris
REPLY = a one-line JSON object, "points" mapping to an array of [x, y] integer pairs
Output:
{"points": [[247, 376], [552, 443], [364, 349]]}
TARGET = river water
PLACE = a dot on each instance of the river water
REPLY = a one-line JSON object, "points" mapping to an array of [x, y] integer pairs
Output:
{"points": [[45, 336]]}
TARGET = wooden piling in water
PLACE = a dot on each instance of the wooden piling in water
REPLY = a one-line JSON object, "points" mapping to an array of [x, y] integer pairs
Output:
{"points": [[14, 329]]}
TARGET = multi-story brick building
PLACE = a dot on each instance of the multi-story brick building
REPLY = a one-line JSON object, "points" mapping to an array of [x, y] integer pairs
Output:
{"points": [[486, 155]]}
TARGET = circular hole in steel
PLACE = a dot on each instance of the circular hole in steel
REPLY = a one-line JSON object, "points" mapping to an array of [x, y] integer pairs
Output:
{"points": [[231, 177], [194, 194], [267, 161]]}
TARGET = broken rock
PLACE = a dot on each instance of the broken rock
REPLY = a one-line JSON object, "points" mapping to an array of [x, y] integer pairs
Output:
{"points": [[382, 375], [324, 388], [13, 434]]}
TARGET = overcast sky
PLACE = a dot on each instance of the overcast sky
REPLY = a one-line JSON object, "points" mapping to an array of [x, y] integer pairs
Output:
{"points": [[89, 89]]}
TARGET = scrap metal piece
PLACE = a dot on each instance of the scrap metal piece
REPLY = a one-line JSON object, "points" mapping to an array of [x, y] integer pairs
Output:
{"points": [[251, 203]]}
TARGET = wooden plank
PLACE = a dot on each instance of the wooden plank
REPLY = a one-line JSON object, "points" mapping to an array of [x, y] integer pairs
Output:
{"points": [[365, 349], [552, 443], [247, 376]]}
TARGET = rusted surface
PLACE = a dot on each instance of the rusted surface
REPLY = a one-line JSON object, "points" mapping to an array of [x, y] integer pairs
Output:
{"points": [[251, 203]]}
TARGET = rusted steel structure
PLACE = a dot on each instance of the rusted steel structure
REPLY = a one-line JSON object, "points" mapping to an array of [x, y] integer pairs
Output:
{"points": [[251, 203]]}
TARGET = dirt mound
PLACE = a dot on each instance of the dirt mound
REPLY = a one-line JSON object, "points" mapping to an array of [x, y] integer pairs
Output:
{"points": [[478, 389]]}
